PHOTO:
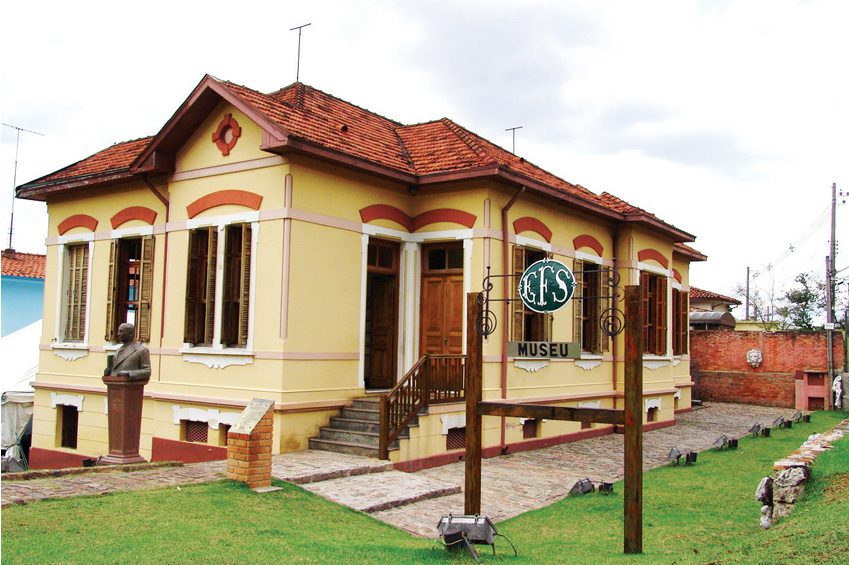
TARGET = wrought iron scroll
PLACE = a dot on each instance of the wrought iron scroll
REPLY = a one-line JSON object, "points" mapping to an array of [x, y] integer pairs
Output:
{"points": [[611, 320]]}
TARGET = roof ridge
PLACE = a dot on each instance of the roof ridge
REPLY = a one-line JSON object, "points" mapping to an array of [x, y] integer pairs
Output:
{"points": [[304, 87], [468, 138]]}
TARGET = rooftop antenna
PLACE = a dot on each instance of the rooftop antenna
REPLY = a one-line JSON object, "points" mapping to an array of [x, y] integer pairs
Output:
{"points": [[298, 68], [18, 131], [513, 130]]}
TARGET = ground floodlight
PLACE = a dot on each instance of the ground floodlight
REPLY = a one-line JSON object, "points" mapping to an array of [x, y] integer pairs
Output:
{"points": [[765, 432], [674, 455], [754, 430], [806, 418], [721, 441], [797, 416], [691, 457], [732, 443], [606, 488], [583, 486], [788, 424], [778, 422]]}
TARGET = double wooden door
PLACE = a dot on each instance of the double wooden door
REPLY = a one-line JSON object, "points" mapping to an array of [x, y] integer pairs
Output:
{"points": [[442, 299]]}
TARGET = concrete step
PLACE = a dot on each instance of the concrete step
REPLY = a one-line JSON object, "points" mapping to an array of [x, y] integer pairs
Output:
{"points": [[341, 423], [345, 447], [310, 466], [353, 436], [367, 403], [390, 489], [361, 414]]}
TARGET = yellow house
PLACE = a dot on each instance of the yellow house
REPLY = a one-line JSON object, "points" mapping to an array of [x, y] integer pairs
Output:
{"points": [[295, 247]]}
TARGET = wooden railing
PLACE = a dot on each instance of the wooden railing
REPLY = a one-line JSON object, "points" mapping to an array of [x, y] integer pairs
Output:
{"points": [[434, 379]]}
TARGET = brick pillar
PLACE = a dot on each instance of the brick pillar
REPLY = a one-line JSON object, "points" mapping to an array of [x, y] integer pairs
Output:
{"points": [[249, 454]]}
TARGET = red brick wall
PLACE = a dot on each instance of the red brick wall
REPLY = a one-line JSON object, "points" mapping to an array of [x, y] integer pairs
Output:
{"points": [[721, 373]]}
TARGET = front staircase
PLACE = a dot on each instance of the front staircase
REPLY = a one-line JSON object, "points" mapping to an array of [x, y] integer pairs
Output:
{"points": [[356, 430]]}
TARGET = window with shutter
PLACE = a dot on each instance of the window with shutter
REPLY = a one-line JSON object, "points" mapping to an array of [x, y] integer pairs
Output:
{"points": [[200, 286], [680, 321], [653, 292], [76, 292], [527, 324], [588, 310], [129, 286], [237, 282]]}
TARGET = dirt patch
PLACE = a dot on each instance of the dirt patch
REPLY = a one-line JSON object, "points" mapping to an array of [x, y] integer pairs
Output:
{"points": [[838, 489]]}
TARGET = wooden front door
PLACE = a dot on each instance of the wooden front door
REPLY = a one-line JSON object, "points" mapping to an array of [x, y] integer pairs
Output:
{"points": [[442, 299], [381, 315]]}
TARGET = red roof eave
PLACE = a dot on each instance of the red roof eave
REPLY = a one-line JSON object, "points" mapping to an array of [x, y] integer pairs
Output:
{"points": [[41, 191]]}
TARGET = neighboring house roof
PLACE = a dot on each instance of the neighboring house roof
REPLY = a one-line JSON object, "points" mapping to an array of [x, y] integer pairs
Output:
{"points": [[699, 294], [303, 119], [16, 264]]}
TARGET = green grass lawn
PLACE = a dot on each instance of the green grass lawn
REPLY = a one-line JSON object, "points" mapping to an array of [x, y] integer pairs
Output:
{"points": [[704, 513]]}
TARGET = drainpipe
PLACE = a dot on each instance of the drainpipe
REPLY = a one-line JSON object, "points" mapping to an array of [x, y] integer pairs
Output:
{"points": [[167, 203], [505, 231], [614, 349]]}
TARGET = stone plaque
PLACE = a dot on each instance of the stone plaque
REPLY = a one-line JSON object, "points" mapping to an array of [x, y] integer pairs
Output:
{"points": [[251, 415], [544, 349]]}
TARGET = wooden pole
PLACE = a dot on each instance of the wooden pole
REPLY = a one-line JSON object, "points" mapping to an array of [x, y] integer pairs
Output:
{"points": [[633, 421], [473, 386]]}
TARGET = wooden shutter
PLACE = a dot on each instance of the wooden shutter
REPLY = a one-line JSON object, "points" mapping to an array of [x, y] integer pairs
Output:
{"points": [[661, 316], [645, 294], [75, 300], [245, 290], [190, 331], [112, 292], [211, 275], [604, 292], [145, 288], [517, 306], [578, 305]]}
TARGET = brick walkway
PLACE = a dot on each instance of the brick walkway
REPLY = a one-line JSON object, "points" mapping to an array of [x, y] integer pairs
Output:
{"points": [[547, 474]]}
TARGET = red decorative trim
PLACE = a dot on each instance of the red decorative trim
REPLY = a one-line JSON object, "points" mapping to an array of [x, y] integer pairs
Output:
{"points": [[40, 458], [146, 215], [410, 223], [170, 450], [77, 221], [532, 224], [223, 197], [653, 254], [449, 215], [586, 240], [219, 135], [386, 212], [677, 275], [684, 410]]}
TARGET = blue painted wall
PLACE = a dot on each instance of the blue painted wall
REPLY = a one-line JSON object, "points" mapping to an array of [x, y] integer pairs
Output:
{"points": [[23, 300]]}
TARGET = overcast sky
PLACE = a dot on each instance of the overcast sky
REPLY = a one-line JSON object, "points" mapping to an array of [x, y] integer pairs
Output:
{"points": [[728, 119]]}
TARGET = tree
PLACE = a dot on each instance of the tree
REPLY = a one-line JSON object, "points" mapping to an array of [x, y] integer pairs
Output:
{"points": [[803, 303]]}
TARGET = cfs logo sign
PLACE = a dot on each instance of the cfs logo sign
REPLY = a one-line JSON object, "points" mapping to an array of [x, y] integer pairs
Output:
{"points": [[546, 286]]}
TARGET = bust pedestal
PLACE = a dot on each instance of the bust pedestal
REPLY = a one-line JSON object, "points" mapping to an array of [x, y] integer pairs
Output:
{"points": [[125, 411]]}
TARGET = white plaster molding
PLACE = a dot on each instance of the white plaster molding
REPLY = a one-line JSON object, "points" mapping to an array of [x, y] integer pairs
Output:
{"points": [[361, 365], [131, 232], [524, 241], [217, 358], [654, 269], [228, 418], [75, 400], [652, 403], [76, 238], [590, 404], [452, 421], [677, 394], [676, 362], [654, 364], [211, 416], [70, 351], [221, 221], [530, 365], [106, 405], [588, 364]]}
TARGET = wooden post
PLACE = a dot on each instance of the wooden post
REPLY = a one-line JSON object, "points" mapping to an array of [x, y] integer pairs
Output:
{"points": [[473, 386], [633, 421], [383, 444]]}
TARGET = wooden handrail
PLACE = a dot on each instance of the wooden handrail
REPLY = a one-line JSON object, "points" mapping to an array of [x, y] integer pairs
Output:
{"points": [[434, 379]]}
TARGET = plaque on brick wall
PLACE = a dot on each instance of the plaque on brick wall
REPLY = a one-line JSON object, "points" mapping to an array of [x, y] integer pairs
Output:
{"points": [[251, 415]]}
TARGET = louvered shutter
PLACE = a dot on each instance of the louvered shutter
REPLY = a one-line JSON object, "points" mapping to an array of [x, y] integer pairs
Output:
{"points": [[684, 321], [76, 293], [211, 279], [145, 287], [660, 303], [517, 306], [578, 305], [112, 292], [245, 287], [190, 332], [645, 294]]}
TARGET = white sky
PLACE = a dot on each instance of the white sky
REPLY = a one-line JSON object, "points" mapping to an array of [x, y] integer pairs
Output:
{"points": [[728, 119]]}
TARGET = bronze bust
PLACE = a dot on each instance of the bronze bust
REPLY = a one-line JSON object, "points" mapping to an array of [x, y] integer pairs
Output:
{"points": [[132, 359]]}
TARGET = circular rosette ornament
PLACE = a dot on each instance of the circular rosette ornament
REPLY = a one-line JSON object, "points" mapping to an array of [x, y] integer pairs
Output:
{"points": [[754, 358]]}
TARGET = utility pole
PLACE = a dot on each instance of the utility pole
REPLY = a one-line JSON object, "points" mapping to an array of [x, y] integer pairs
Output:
{"points": [[747, 293], [829, 288]]}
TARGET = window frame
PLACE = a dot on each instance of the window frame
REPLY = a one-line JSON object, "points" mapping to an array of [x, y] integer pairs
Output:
{"points": [[655, 312], [521, 316], [680, 321], [589, 305], [63, 287], [118, 286], [213, 277]]}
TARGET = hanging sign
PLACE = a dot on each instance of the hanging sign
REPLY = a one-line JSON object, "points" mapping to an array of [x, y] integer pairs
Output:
{"points": [[546, 286]]}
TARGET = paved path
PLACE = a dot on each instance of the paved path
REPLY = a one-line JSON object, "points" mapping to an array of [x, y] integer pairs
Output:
{"points": [[546, 474]]}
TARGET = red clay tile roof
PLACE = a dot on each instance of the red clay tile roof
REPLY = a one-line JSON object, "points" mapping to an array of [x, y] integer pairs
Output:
{"points": [[23, 265], [684, 249], [321, 120], [115, 158], [699, 294]]}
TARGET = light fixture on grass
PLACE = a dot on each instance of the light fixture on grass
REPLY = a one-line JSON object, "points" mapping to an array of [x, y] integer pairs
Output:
{"points": [[605, 488], [754, 430], [674, 455], [721, 441], [583, 486], [691, 457], [778, 422], [797, 417]]}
